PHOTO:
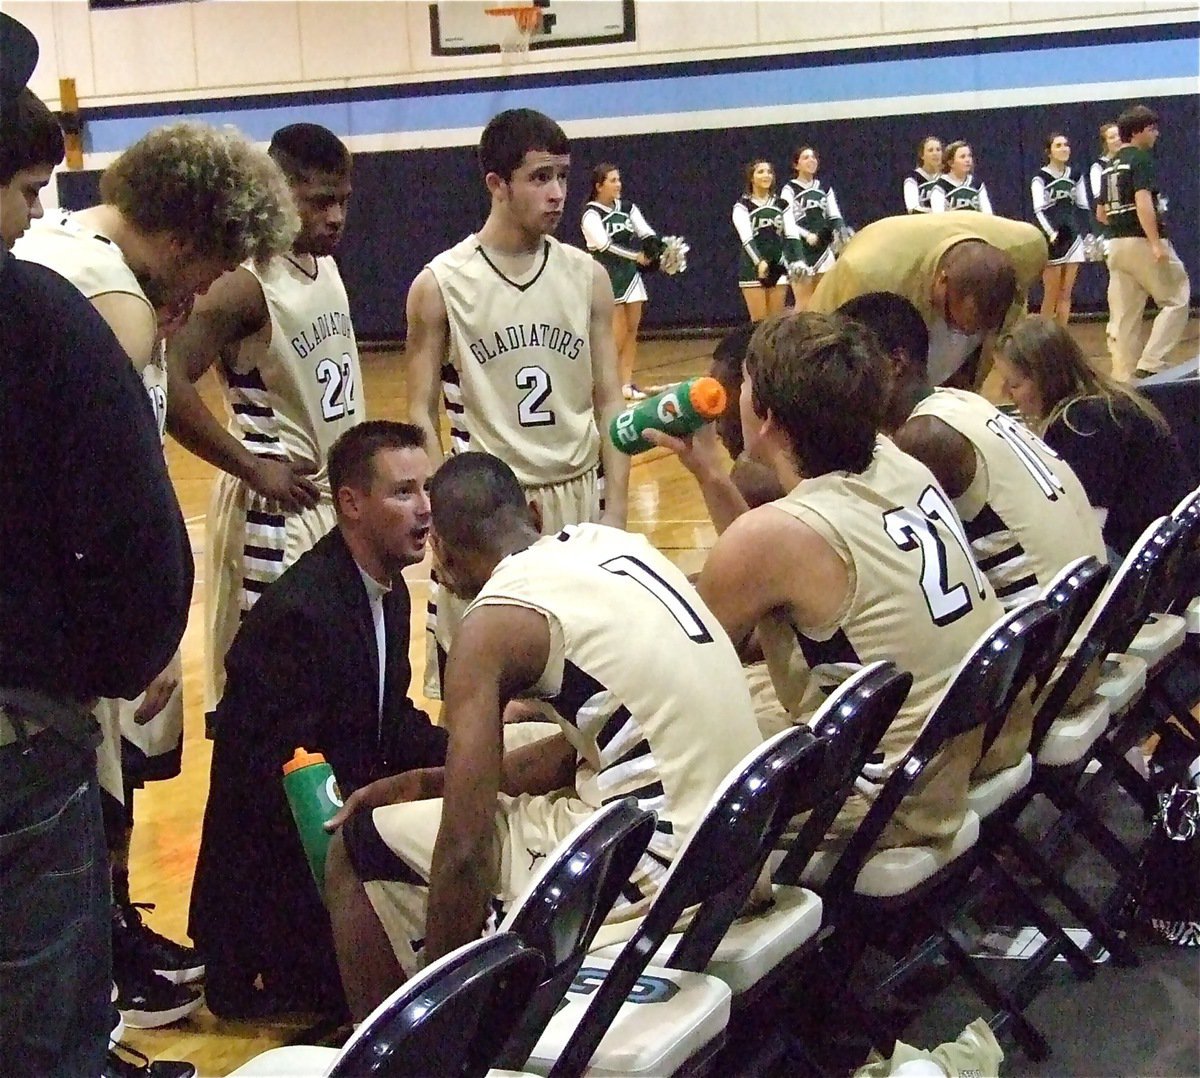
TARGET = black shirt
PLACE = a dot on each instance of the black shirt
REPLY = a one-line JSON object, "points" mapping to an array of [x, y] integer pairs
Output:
{"points": [[95, 566]]}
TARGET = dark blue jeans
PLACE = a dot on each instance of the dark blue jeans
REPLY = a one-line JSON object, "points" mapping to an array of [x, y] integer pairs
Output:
{"points": [[55, 934]]}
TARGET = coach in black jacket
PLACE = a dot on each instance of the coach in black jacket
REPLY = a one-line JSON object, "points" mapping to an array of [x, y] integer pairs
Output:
{"points": [[304, 671]]}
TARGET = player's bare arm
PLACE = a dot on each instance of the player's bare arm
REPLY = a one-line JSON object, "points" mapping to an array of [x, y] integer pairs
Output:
{"points": [[607, 399], [767, 561], [499, 652], [133, 324], [942, 450], [233, 310], [426, 349], [700, 454]]}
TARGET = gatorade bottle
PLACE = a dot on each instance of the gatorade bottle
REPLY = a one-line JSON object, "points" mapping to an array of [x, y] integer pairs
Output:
{"points": [[314, 798], [681, 409]]}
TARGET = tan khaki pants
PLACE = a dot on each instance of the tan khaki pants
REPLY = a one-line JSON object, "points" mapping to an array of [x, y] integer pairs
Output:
{"points": [[1133, 274]]}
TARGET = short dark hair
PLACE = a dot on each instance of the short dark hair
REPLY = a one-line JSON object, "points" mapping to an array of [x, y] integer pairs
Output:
{"points": [[985, 273], [511, 134], [726, 368], [352, 456], [306, 149], [825, 380], [1135, 119], [29, 136], [896, 323], [474, 496], [600, 173]]}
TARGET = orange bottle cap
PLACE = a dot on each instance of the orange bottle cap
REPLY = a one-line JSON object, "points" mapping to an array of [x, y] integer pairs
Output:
{"points": [[302, 758], [707, 396]]}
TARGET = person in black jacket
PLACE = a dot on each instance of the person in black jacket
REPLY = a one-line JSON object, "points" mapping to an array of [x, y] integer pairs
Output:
{"points": [[95, 584], [304, 671]]}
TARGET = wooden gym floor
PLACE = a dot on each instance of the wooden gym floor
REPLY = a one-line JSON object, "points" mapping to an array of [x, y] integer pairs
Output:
{"points": [[664, 503]]}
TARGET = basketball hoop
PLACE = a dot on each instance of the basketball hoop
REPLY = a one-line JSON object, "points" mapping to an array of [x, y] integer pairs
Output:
{"points": [[516, 35]]}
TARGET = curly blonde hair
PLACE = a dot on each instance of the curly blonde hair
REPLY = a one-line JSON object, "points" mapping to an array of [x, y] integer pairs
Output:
{"points": [[209, 186]]}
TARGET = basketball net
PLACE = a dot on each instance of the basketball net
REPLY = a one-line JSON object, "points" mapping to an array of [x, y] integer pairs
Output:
{"points": [[518, 23]]}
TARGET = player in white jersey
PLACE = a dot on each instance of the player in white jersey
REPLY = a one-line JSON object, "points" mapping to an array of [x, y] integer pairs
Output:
{"points": [[1024, 509], [645, 686], [180, 207], [283, 344], [513, 330], [863, 559]]}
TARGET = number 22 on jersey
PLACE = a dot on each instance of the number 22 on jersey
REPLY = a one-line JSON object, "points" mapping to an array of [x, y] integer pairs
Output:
{"points": [[339, 397]]}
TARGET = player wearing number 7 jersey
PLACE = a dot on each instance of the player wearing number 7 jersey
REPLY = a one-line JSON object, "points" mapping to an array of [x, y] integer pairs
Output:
{"points": [[513, 330], [864, 559], [283, 346]]}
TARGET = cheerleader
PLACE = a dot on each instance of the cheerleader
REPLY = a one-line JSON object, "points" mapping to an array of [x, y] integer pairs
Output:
{"points": [[613, 231], [959, 188], [1060, 208], [925, 178], [1110, 143], [818, 225], [762, 223]]}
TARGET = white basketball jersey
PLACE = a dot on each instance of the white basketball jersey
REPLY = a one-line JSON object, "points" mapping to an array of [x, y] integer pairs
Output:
{"points": [[646, 684], [94, 264], [1026, 512], [518, 382], [293, 394]]}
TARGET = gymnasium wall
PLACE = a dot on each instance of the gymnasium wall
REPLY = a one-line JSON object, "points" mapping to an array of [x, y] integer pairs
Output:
{"points": [[703, 87]]}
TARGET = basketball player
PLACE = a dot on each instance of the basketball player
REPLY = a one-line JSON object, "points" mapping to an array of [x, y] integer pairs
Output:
{"points": [[864, 559], [649, 696], [514, 331], [1025, 511], [180, 207], [283, 344]]}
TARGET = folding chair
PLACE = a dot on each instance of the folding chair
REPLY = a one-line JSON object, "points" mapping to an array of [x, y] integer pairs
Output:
{"points": [[899, 896], [625, 1016], [450, 1020]]}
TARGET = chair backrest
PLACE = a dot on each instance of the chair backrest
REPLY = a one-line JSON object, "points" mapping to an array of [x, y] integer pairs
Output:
{"points": [[1187, 512], [979, 692], [715, 871], [1071, 594], [1116, 615], [450, 1020], [566, 903], [851, 722], [1160, 561], [1032, 630]]}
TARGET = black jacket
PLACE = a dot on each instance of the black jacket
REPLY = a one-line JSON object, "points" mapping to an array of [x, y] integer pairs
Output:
{"points": [[302, 671]]}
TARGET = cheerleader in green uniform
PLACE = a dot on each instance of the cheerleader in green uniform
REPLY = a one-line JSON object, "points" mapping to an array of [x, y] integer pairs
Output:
{"points": [[1110, 143], [613, 231], [818, 220], [960, 188], [920, 184], [1060, 209], [763, 225]]}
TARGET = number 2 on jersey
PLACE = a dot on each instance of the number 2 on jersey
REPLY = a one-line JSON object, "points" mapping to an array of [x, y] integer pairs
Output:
{"points": [[530, 412], [677, 606], [338, 396], [911, 530]]}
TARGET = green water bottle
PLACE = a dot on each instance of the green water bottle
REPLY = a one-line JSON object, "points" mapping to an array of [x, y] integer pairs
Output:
{"points": [[313, 795], [682, 409]]}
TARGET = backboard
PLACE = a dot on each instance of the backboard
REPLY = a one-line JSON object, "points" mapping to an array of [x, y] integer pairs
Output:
{"points": [[461, 27]]}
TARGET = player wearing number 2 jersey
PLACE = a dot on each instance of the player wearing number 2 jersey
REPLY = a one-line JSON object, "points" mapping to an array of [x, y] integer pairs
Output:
{"points": [[513, 330], [864, 559], [283, 345]]}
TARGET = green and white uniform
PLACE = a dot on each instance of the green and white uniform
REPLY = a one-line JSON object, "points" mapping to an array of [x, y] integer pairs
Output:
{"points": [[613, 234], [1095, 174], [952, 194], [919, 185], [1060, 208], [762, 226], [816, 213]]}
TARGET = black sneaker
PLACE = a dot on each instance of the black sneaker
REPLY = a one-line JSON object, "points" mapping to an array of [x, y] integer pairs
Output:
{"points": [[126, 1062], [133, 938], [147, 1001]]}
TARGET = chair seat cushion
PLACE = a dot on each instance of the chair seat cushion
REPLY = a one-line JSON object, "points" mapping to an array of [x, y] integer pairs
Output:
{"points": [[987, 795], [896, 871], [1161, 635], [292, 1061], [1122, 681], [1192, 617], [669, 1017], [1073, 734], [754, 945]]}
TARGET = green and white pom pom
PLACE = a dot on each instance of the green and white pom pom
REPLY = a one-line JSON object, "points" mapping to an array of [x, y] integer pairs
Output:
{"points": [[674, 255]]}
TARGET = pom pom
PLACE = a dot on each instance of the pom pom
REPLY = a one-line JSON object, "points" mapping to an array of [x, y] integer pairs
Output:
{"points": [[798, 270], [840, 238], [673, 258]]}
